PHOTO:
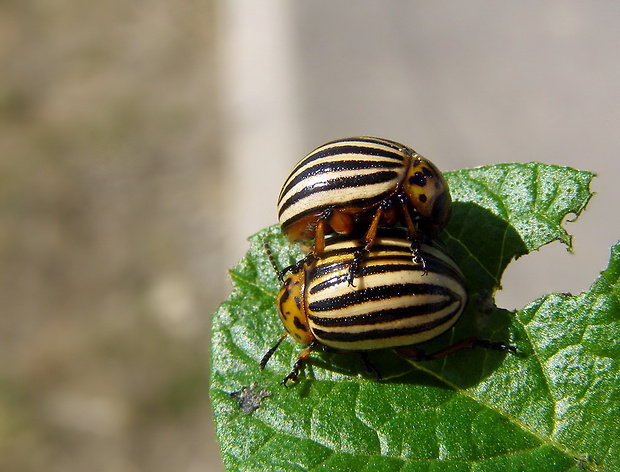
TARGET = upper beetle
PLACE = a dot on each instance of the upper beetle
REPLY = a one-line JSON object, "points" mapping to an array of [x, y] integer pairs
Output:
{"points": [[362, 182]]}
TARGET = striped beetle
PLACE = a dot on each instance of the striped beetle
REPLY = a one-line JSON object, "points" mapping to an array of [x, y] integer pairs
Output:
{"points": [[398, 302], [362, 181]]}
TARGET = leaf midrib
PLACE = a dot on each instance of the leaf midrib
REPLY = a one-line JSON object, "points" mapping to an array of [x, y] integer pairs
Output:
{"points": [[517, 422]]}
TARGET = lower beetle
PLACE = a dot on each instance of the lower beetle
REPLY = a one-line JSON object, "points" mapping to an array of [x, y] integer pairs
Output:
{"points": [[397, 301]]}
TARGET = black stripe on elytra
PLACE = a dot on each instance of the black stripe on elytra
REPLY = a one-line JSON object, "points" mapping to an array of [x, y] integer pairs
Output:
{"points": [[432, 266], [382, 269], [382, 292], [368, 202], [389, 246], [340, 183], [433, 263], [335, 167], [353, 148], [337, 266], [348, 336], [326, 269], [384, 316], [372, 140]]}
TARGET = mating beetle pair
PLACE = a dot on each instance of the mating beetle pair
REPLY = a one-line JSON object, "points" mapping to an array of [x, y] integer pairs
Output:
{"points": [[369, 287]]}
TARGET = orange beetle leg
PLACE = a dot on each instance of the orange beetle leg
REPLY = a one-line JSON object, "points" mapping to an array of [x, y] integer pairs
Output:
{"points": [[335, 220], [371, 234], [340, 222], [369, 240], [415, 354], [319, 237], [301, 360], [412, 231]]}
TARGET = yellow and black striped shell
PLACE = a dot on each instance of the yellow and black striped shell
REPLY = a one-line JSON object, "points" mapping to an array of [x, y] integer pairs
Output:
{"points": [[352, 178], [395, 301]]}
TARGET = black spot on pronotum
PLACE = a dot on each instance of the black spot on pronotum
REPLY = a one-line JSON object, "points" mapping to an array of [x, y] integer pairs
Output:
{"points": [[281, 302], [285, 294], [250, 398], [422, 198], [299, 325], [418, 179]]}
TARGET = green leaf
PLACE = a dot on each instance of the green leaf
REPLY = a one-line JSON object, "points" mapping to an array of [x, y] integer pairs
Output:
{"points": [[554, 407]]}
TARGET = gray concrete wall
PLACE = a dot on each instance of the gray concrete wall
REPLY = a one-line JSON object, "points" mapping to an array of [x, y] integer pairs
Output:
{"points": [[465, 84]]}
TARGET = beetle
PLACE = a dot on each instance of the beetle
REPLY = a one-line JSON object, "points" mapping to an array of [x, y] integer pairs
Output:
{"points": [[397, 303], [362, 182]]}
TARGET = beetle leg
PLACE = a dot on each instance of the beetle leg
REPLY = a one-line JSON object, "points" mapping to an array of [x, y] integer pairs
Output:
{"points": [[415, 354], [340, 222], [371, 234], [412, 231], [368, 241], [299, 265], [370, 368], [301, 359], [417, 255], [355, 268], [319, 235]]}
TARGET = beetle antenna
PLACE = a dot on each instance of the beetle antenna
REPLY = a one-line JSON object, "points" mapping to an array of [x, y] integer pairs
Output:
{"points": [[270, 352], [272, 260]]}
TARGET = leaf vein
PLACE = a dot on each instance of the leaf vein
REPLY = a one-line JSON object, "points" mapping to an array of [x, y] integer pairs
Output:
{"points": [[238, 277], [542, 438]]}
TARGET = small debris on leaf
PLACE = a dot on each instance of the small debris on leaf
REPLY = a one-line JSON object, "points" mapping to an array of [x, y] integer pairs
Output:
{"points": [[250, 398]]}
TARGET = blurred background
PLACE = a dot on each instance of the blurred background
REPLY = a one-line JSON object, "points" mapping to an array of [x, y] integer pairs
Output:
{"points": [[141, 143]]}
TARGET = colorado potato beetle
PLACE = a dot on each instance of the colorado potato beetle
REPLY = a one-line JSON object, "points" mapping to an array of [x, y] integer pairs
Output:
{"points": [[362, 181], [397, 303]]}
